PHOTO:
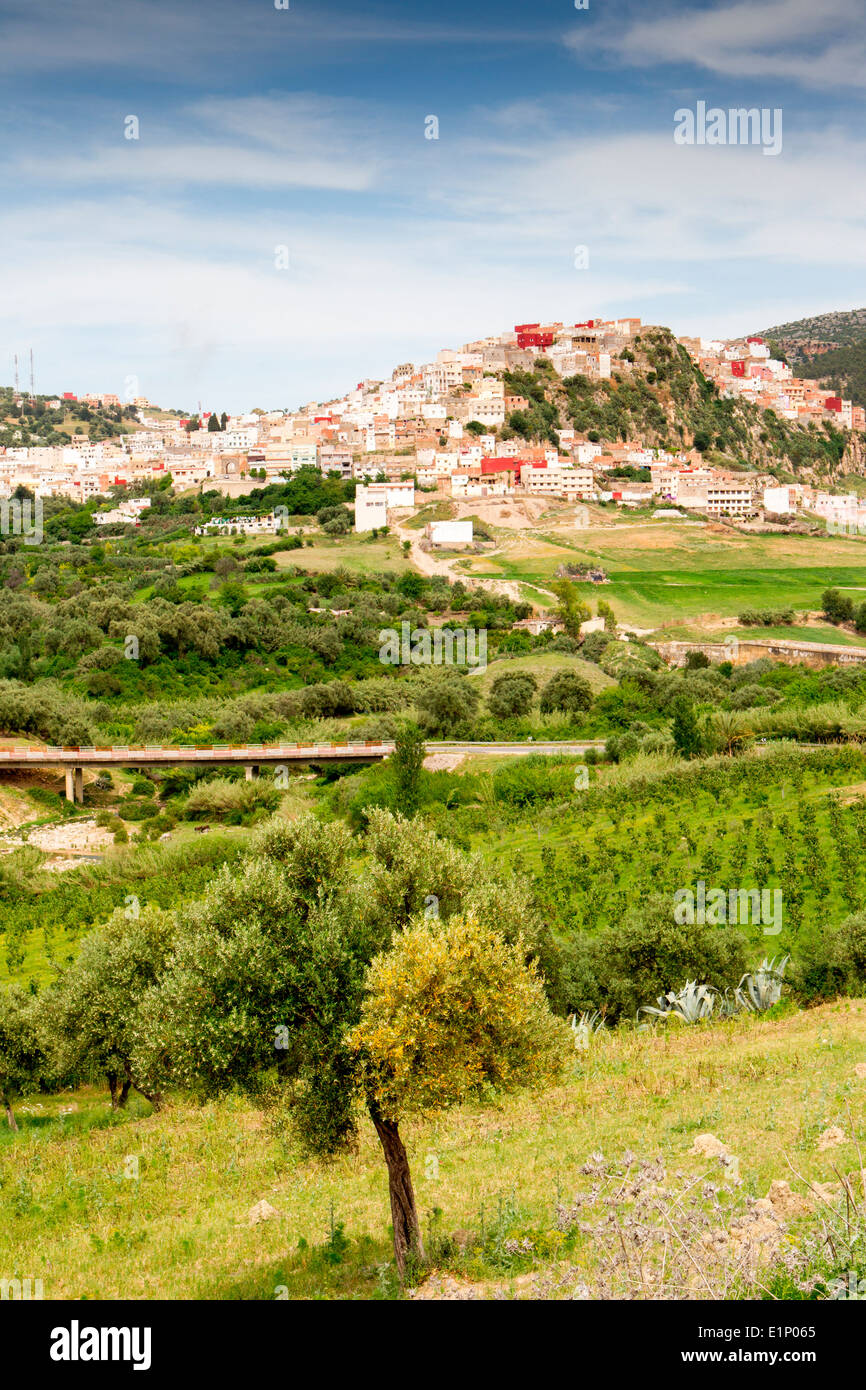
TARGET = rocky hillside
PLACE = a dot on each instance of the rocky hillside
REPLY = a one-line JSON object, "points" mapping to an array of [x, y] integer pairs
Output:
{"points": [[658, 396], [842, 370], [819, 334]]}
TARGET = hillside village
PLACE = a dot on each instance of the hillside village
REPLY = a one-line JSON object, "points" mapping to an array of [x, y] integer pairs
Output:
{"points": [[460, 427]]}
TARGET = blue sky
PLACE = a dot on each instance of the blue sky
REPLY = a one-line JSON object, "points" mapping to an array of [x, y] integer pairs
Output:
{"points": [[304, 128]]}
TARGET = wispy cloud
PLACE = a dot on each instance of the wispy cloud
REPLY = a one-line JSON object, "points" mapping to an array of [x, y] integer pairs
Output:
{"points": [[155, 35], [816, 45]]}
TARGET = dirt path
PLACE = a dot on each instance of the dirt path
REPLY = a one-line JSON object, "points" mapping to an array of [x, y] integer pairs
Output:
{"points": [[429, 564]]}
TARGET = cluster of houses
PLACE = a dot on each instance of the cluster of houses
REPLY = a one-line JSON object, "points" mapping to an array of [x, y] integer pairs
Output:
{"points": [[437, 427], [745, 368]]}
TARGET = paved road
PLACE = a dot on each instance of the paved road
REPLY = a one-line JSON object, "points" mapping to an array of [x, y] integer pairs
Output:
{"points": [[509, 749]]}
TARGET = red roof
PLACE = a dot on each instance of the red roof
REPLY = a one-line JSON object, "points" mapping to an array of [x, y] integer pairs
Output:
{"points": [[500, 465]]}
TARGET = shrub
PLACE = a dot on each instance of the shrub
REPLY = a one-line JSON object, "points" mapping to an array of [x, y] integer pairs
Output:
{"points": [[142, 786], [223, 799], [511, 694], [837, 607], [832, 962], [529, 780], [136, 810], [753, 696], [447, 704], [650, 953], [594, 644], [566, 691]]}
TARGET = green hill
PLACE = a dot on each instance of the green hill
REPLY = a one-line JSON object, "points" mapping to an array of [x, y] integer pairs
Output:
{"points": [[840, 328], [842, 370], [657, 395]]}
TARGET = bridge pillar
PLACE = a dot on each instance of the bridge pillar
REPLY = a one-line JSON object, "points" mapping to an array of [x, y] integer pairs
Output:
{"points": [[74, 784], [250, 771]]}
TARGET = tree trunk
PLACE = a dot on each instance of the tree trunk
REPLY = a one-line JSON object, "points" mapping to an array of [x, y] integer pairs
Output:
{"points": [[153, 1096], [13, 1123], [112, 1086], [124, 1095], [404, 1213]]}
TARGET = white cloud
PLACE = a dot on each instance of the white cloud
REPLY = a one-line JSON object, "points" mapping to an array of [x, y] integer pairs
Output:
{"points": [[134, 163], [819, 45], [145, 277]]}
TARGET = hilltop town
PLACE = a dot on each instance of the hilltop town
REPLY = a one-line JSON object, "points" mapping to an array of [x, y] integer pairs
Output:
{"points": [[478, 422]]}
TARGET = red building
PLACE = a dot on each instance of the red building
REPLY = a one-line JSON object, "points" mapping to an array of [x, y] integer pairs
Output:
{"points": [[533, 335], [499, 465], [738, 368], [833, 403]]}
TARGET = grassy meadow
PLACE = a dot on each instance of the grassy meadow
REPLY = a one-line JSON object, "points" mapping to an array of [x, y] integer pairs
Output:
{"points": [[488, 1180], [665, 574]]}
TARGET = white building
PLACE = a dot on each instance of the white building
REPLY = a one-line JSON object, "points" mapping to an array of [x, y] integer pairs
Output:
{"points": [[777, 500], [729, 499], [450, 532], [558, 481], [373, 500]]}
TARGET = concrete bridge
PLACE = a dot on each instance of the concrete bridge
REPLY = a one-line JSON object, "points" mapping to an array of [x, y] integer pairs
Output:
{"points": [[740, 652], [249, 756]]}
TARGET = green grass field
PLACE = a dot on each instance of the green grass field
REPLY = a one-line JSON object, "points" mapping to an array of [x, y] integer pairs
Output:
{"points": [[662, 574], [362, 556], [145, 1206], [797, 632]]}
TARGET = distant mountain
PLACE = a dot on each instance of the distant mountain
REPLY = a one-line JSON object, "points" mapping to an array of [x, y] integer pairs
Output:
{"points": [[808, 337], [842, 370], [830, 348]]}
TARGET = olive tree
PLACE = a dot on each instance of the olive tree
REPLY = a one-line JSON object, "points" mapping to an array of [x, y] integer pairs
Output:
{"points": [[566, 691], [451, 1013], [21, 1061], [511, 694], [89, 1017], [269, 977]]}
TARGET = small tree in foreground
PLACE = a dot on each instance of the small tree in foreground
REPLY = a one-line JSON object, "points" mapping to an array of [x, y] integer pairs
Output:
{"points": [[451, 1013], [273, 969]]}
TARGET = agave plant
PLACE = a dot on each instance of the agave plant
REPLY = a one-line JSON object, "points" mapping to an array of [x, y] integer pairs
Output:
{"points": [[583, 1026], [761, 990], [690, 1004]]}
